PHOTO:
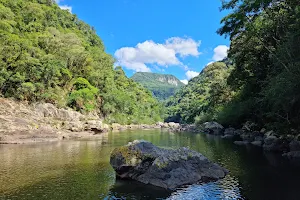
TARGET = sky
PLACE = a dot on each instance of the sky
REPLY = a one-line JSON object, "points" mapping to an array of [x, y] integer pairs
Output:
{"points": [[163, 36]]}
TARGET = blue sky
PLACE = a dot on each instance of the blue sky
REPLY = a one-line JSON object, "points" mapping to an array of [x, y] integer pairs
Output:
{"points": [[164, 36]]}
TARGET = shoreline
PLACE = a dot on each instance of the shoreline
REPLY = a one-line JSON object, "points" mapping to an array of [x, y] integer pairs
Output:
{"points": [[33, 139], [287, 146], [64, 135], [22, 123]]}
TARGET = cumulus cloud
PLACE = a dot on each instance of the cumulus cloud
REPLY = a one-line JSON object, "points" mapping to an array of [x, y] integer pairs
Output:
{"points": [[184, 46], [64, 7], [150, 53], [184, 81], [191, 74], [220, 52]]}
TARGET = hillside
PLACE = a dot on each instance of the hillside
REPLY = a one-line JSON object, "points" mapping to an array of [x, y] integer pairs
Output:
{"points": [[161, 85], [202, 97], [48, 55]]}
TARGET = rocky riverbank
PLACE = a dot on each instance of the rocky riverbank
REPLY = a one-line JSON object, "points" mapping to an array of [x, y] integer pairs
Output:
{"points": [[43, 122], [250, 134]]}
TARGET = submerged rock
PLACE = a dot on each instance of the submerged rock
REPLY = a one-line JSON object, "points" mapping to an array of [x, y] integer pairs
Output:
{"points": [[167, 168]]}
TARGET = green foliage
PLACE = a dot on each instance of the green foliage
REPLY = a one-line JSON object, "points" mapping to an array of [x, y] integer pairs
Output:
{"points": [[202, 98], [27, 90], [48, 54], [161, 85], [265, 38], [83, 95], [128, 102]]}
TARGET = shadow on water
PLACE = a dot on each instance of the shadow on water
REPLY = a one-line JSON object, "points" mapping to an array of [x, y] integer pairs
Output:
{"points": [[81, 170], [135, 190]]}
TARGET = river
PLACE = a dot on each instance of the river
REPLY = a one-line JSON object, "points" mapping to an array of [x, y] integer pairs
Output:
{"points": [[81, 170]]}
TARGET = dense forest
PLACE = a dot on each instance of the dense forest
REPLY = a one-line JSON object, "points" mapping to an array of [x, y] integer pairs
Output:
{"points": [[162, 86], [263, 84], [203, 96], [48, 54]]}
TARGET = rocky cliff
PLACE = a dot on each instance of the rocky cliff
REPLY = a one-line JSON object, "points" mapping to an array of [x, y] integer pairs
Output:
{"points": [[22, 123], [161, 85]]}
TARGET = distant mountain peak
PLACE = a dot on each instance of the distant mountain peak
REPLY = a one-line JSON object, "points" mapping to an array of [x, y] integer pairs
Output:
{"points": [[161, 85]]}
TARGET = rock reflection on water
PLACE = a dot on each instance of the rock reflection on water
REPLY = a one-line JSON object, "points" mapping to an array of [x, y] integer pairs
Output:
{"points": [[127, 189], [227, 188], [81, 170]]}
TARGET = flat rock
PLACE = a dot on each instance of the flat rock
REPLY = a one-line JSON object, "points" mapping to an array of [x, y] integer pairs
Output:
{"points": [[166, 168]]}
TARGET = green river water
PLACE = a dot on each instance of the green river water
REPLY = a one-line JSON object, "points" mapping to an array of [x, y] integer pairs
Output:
{"points": [[81, 170]]}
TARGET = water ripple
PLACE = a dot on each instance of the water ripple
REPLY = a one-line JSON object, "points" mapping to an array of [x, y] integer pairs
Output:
{"points": [[227, 188]]}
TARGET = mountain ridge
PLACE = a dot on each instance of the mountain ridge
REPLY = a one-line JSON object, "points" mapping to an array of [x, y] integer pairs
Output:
{"points": [[162, 86]]}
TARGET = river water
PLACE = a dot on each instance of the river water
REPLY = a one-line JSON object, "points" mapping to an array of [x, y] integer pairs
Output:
{"points": [[81, 170]]}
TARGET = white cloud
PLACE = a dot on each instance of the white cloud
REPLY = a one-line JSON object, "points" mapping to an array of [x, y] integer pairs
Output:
{"points": [[184, 46], [138, 67], [136, 58], [191, 74], [65, 7], [220, 52], [184, 81], [209, 63]]}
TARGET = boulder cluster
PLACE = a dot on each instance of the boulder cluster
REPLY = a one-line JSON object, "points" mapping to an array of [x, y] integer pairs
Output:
{"points": [[250, 134]]}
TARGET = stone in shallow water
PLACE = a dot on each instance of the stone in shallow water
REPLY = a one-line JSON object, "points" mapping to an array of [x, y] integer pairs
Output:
{"points": [[213, 128], [167, 168]]}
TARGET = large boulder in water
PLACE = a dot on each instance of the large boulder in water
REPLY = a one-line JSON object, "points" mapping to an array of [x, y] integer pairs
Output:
{"points": [[167, 168]]}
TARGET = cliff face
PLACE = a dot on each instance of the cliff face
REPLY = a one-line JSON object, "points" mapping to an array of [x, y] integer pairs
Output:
{"points": [[161, 85], [169, 79], [24, 123], [21, 122]]}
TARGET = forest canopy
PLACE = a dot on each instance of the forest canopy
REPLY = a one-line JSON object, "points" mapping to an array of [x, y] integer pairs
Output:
{"points": [[47, 54], [263, 83]]}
